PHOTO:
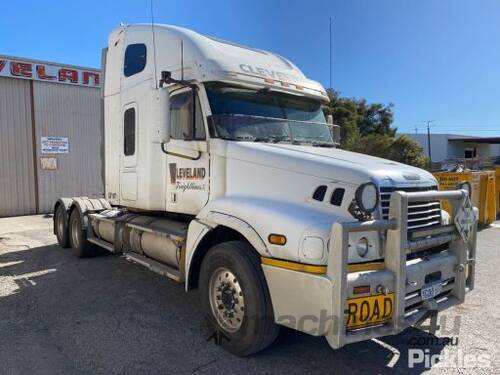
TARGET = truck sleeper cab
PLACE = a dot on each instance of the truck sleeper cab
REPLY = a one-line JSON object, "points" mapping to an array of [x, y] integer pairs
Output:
{"points": [[221, 172]]}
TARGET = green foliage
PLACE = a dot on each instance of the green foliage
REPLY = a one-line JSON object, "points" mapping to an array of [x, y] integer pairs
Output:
{"points": [[406, 150], [375, 118], [344, 114], [367, 128]]}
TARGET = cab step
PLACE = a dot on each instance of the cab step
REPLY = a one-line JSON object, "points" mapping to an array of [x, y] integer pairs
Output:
{"points": [[155, 266], [101, 243]]}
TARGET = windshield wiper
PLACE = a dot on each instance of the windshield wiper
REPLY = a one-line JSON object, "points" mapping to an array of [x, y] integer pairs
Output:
{"points": [[227, 138], [322, 144], [283, 138], [262, 139], [274, 139]]}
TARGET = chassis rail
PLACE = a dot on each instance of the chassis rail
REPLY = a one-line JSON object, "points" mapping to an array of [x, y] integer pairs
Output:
{"points": [[397, 247]]}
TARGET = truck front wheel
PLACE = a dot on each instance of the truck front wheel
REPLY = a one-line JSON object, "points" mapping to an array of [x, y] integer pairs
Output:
{"points": [[235, 297], [78, 237]]}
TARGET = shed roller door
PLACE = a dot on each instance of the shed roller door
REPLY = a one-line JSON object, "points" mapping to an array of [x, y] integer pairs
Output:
{"points": [[17, 179], [71, 112]]}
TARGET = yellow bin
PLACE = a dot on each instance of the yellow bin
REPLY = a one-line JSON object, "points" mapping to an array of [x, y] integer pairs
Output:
{"points": [[488, 201], [482, 194], [450, 181], [497, 184]]}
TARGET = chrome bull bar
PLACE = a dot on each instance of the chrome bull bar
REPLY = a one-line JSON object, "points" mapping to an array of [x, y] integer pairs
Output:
{"points": [[397, 247]]}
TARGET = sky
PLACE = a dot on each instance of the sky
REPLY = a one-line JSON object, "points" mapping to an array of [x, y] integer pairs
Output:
{"points": [[433, 59]]}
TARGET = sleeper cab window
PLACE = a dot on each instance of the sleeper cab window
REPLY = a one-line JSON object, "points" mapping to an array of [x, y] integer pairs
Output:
{"points": [[181, 117], [129, 132], [135, 59]]}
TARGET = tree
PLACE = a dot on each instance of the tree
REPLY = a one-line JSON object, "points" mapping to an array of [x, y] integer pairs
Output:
{"points": [[375, 118], [344, 113], [367, 128], [406, 150]]}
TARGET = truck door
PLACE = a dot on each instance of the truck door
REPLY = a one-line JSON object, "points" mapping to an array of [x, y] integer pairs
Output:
{"points": [[128, 163], [133, 110], [187, 156]]}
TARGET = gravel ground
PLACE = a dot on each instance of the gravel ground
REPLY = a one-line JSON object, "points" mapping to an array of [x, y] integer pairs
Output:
{"points": [[62, 315]]}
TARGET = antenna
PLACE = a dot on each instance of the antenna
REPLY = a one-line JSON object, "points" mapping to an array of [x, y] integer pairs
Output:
{"points": [[154, 43], [182, 60], [331, 87]]}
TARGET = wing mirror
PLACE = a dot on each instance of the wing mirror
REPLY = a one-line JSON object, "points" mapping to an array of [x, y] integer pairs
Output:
{"points": [[160, 115]]}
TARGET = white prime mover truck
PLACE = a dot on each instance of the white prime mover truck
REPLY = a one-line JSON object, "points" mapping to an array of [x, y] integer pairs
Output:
{"points": [[221, 172]]}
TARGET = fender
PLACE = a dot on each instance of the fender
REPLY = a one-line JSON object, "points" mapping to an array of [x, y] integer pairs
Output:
{"points": [[255, 218], [199, 228], [83, 205], [240, 226], [266, 216]]}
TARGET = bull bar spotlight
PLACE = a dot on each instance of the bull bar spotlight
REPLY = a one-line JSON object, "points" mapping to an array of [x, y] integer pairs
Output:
{"points": [[465, 185], [367, 197]]}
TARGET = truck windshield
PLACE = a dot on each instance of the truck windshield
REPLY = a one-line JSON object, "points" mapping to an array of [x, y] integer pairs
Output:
{"points": [[243, 114]]}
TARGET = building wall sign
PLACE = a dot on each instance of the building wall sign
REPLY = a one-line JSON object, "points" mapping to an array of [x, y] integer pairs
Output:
{"points": [[48, 163], [55, 145], [49, 72]]}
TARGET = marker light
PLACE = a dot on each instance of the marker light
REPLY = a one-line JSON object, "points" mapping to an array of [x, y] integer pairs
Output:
{"points": [[277, 239], [361, 289]]}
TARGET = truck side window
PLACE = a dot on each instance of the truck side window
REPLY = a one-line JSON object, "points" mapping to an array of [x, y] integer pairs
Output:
{"points": [[129, 132], [181, 117], [135, 59]]}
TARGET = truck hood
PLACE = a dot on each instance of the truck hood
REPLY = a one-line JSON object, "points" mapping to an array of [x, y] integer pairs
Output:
{"points": [[331, 163]]}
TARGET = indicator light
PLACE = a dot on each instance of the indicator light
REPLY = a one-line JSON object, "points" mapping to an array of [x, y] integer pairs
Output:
{"points": [[277, 239]]}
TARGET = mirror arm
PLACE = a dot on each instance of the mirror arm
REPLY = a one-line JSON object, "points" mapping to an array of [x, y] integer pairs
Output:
{"points": [[193, 130], [166, 78]]}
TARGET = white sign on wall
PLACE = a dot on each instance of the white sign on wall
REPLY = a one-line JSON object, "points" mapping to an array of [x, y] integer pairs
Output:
{"points": [[55, 145], [48, 163]]}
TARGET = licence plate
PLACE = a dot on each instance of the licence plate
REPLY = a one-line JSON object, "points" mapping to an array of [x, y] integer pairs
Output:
{"points": [[431, 291], [367, 311]]}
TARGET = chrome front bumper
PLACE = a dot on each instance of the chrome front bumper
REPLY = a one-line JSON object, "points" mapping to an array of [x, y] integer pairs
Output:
{"points": [[316, 303], [399, 276]]}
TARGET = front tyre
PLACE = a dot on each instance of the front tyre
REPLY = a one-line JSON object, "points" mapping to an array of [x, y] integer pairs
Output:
{"points": [[235, 298], [78, 237]]}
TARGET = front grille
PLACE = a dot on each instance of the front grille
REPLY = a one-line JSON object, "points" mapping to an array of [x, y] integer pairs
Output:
{"points": [[420, 214]]}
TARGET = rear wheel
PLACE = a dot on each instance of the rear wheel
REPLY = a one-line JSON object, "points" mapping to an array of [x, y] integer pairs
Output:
{"points": [[61, 227], [78, 237], [235, 298]]}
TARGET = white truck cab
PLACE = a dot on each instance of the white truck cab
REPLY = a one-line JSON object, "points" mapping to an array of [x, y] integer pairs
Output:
{"points": [[221, 172]]}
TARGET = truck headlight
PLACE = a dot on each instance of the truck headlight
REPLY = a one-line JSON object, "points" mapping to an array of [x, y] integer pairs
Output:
{"points": [[364, 247], [367, 197]]}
